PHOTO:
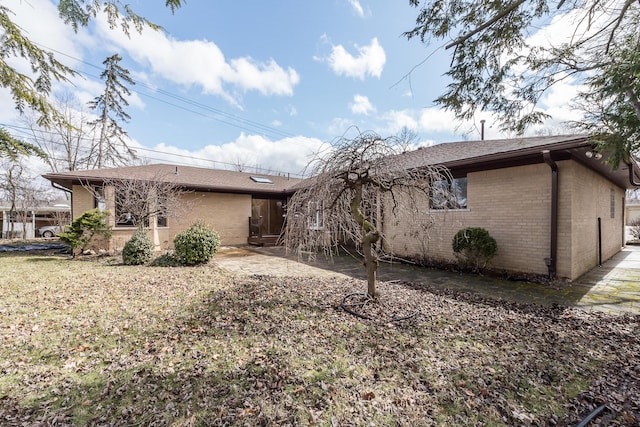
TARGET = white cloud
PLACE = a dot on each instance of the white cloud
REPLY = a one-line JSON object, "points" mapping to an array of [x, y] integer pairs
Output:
{"points": [[396, 120], [369, 60], [202, 63], [357, 7], [292, 111], [361, 105], [290, 155]]}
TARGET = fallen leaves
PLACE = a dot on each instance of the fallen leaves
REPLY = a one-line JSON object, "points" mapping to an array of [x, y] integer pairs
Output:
{"points": [[197, 346]]}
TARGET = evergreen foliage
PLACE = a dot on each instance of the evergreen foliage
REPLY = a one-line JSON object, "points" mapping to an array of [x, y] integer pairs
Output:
{"points": [[84, 228], [197, 244], [109, 107], [138, 250], [474, 247], [499, 64]]}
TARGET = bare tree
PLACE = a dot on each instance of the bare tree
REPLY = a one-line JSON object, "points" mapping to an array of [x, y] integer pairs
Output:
{"points": [[137, 201], [69, 144], [407, 138], [144, 202], [350, 187], [17, 186]]}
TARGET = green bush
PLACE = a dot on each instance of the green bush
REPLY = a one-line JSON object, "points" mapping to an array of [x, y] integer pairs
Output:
{"points": [[196, 245], [166, 260], [474, 247], [84, 228], [138, 250]]}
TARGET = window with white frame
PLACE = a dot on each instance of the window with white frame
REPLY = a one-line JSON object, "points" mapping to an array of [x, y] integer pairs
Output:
{"points": [[315, 212]]}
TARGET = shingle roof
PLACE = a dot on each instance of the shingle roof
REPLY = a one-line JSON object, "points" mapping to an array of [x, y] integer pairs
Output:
{"points": [[469, 152], [185, 176], [452, 155]]}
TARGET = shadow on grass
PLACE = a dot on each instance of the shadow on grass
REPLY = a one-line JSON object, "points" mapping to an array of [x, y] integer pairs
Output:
{"points": [[568, 294]]}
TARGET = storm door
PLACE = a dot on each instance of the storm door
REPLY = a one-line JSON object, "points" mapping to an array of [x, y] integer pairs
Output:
{"points": [[268, 214]]}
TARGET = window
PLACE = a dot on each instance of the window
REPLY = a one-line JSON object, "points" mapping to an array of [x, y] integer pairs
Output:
{"points": [[449, 194], [613, 203], [124, 218], [161, 216], [133, 209], [315, 210], [98, 198]]}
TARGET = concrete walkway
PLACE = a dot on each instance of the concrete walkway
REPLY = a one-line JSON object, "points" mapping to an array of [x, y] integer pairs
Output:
{"points": [[613, 288]]}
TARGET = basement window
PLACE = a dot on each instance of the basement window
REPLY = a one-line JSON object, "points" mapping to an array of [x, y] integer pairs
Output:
{"points": [[261, 180]]}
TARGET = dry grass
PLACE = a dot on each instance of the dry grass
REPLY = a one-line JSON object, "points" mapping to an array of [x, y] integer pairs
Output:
{"points": [[89, 343]]}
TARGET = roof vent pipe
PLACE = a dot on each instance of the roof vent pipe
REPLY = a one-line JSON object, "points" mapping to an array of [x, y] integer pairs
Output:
{"points": [[482, 130], [177, 171]]}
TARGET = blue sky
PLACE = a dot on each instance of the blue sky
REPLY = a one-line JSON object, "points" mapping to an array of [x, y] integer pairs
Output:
{"points": [[259, 83]]}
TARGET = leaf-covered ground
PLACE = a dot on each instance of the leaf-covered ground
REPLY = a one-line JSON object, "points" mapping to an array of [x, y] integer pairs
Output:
{"points": [[88, 343]]}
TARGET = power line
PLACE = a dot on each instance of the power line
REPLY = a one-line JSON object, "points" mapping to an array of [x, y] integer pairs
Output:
{"points": [[86, 151], [230, 119]]}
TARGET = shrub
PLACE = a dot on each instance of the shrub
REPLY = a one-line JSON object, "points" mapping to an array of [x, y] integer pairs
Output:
{"points": [[166, 260], [474, 247], [196, 245], [83, 229], [138, 250]]}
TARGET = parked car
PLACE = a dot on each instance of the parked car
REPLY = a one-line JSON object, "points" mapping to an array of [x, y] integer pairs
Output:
{"points": [[49, 230]]}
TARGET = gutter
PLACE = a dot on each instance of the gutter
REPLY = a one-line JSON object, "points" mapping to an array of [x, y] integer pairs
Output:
{"points": [[553, 238], [632, 175], [60, 187]]}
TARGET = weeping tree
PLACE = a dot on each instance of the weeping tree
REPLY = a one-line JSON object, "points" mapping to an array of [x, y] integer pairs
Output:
{"points": [[352, 184]]}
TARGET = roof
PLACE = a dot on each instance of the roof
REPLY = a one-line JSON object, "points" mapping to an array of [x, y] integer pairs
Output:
{"points": [[39, 206], [467, 156], [459, 157], [464, 152], [193, 178]]}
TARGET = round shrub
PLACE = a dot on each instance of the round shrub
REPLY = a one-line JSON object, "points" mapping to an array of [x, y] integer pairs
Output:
{"points": [[196, 245], [138, 250], [474, 247]]}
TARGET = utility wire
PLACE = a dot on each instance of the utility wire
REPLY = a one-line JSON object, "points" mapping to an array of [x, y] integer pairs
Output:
{"points": [[187, 162], [230, 119]]}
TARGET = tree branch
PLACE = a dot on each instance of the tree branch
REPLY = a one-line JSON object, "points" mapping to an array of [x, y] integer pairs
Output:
{"points": [[486, 25]]}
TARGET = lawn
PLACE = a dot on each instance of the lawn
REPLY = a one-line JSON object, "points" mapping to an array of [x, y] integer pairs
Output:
{"points": [[98, 343]]}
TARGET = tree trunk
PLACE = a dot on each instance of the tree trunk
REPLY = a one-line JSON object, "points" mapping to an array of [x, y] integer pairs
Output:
{"points": [[371, 236], [370, 261]]}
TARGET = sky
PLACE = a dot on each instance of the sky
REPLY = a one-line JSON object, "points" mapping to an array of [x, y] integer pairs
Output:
{"points": [[264, 83]]}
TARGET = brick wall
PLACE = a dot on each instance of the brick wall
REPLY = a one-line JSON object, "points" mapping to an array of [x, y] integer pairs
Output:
{"points": [[591, 199], [227, 213], [514, 205]]}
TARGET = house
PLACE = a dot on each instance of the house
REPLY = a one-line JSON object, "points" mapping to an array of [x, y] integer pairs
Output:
{"points": [[632, 210], [242, 207], [25, 219], [552, 203]]}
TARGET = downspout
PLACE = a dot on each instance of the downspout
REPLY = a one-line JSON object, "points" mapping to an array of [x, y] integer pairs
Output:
{"points": [[553, 237], [59, 187]]}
